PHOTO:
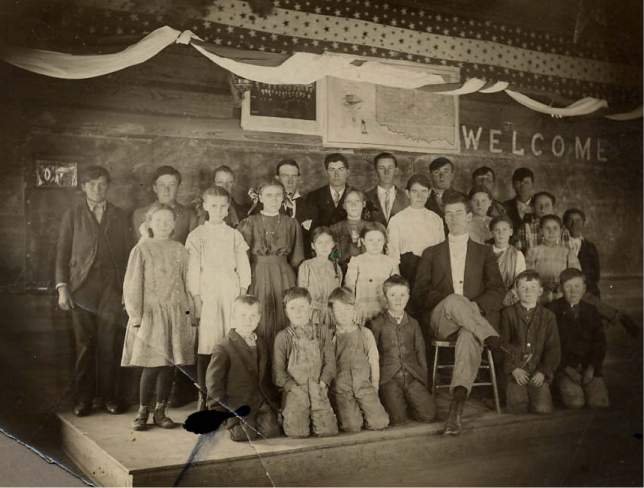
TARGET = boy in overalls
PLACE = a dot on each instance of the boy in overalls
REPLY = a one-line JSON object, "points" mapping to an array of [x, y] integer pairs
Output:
{"points": [[355, 389], [303, 367]]}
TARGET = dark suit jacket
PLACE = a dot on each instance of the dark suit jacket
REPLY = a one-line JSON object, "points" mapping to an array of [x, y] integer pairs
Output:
{"points": [[236, 377], [482, 284], [583, 340], [542, 335], [78, 243], [589, 260], [375, 212], [322, 210]]}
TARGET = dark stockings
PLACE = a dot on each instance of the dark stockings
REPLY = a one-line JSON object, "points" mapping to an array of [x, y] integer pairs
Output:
{"points": [[155, 380]]}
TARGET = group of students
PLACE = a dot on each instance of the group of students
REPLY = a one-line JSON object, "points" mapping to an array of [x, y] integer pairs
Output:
{"points": [[332, 341]]}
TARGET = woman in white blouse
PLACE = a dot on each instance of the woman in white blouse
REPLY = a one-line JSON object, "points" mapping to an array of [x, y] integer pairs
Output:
{"points": [[414, 229]]}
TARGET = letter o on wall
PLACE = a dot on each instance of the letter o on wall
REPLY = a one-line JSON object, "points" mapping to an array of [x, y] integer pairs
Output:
{"points": [[558, 146]]}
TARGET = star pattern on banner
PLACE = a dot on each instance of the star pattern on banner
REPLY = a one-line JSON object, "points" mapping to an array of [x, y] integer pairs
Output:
{"points": [[535, 61]]}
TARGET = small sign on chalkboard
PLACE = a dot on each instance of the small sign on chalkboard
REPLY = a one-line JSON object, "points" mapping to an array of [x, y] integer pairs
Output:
{"points": [[56, 174]]}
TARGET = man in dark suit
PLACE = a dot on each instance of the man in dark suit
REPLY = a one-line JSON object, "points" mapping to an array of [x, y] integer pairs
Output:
{"points": [[441, 174], [521, 205], [326, 203], [458, 295], [385, 200], [91, 256]]}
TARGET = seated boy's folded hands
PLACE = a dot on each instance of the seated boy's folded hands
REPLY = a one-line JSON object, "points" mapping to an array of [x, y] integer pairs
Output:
{"points": [[520, 376], [537, 379], [589, 374]]}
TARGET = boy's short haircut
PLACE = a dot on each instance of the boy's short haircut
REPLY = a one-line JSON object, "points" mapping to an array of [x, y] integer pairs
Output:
{"points": [[528, 275], [549, 217], [457, 197], [287, 162], [223, 169], [482, 171], [395, 280], [373, 226], [438, 163], [569, 274], [573, 211], [480, 189], [499, 219], [334, 158], [215, 191], [544, 194], [384, 155], [318, 231], [250, 300], [166, 170], [342, 295], [94, 172], [418, 179], [296, 292], [521, 173]]}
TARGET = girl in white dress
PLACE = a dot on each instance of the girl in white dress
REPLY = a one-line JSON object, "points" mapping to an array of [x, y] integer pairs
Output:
{"points": [[218, 272], [367, 272]]}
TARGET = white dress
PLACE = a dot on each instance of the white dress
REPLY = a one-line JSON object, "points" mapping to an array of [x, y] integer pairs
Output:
{"points": [[218, 267], [365, 275]]}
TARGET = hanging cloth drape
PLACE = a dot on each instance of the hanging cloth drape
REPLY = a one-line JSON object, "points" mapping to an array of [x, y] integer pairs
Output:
{"points": [[632, 115], [584, 106]]}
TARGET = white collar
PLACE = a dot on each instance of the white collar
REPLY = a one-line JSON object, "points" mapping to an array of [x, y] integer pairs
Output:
{"points": [[383, 190], [295, 195], [498, 249], [462, 239]]}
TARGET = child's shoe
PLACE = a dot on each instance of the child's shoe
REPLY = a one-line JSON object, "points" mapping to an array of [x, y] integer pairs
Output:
{"points": [[160, 418], [141, 420]]}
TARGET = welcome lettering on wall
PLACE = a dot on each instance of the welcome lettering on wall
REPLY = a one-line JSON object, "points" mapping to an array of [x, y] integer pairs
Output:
{"points": [[520, 143]]}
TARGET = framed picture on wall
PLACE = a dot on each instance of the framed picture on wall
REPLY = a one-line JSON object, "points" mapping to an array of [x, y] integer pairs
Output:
{"points": [[365, 115], [282, 108]]}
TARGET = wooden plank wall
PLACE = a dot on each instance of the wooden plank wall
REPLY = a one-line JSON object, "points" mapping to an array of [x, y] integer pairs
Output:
{"points": [[175, 109]]}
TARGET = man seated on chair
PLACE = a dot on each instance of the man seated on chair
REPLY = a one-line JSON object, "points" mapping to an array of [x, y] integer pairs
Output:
{"points": [[530, 334], [458, 295]]}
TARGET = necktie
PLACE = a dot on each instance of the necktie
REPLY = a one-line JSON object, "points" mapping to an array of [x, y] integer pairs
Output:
{"points": [[387, 204], [289, 205], [336, 196], [98, 213]]}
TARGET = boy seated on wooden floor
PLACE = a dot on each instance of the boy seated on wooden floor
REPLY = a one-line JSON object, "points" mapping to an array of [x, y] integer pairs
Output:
{"points": [[238, 374], [403, 361], [530, 334], [583, 345], [355, 389], [304, 367]]}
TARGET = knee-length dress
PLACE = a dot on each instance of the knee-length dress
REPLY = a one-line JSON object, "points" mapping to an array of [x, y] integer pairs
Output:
{"points": [[549, 262], [218, 267], [276, 250], [155, 296], [365, 275], [320, 277]]}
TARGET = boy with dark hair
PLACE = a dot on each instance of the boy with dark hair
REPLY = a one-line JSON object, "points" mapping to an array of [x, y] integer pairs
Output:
{"points": [[519, 206], [529, 333], [583, 345], [403, 363], [326, 203], [91, 256], [385, 200], [239, 374]]}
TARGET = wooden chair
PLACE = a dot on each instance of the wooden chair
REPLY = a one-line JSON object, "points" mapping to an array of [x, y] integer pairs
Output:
{"points": [[486, 363]]}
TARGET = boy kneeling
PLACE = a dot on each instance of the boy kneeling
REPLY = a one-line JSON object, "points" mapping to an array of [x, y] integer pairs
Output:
{"points": [[530, 332], [238, 374], [358, 370], [583, 345]]}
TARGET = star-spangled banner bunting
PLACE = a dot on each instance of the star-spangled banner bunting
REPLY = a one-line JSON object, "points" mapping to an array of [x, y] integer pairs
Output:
{"points": [[534, 61]]}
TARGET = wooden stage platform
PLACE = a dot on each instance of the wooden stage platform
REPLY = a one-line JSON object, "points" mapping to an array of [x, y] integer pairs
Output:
{"points": [[493, 450]]}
